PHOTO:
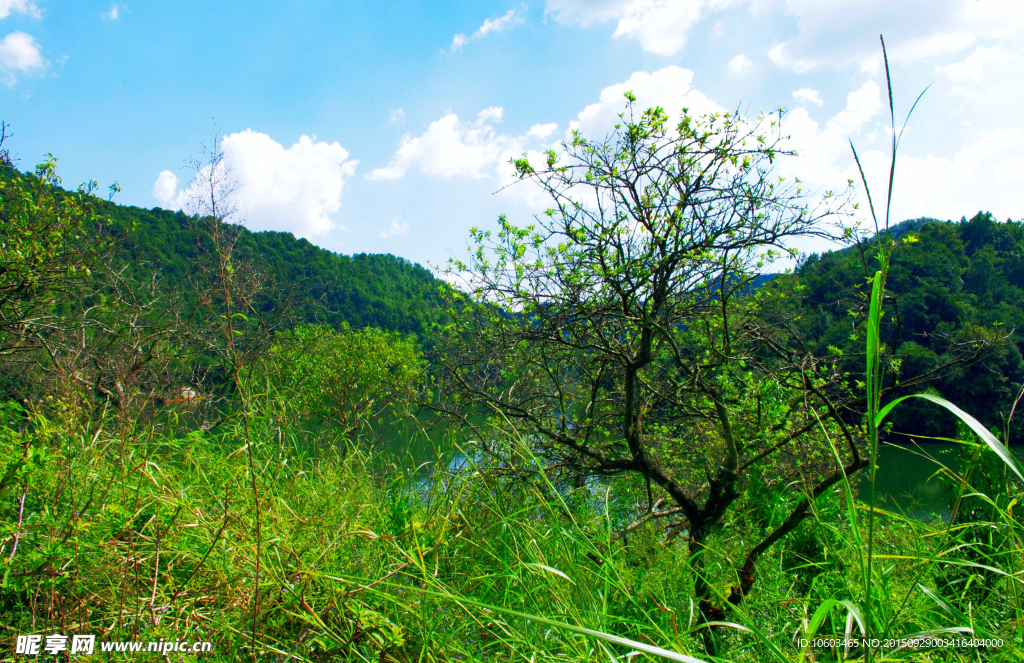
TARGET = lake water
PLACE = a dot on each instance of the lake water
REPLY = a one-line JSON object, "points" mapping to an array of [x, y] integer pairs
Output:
{"points": [[909, 478]]}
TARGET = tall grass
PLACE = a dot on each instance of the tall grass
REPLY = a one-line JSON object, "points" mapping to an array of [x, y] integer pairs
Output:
{"points": [[149, 533]]}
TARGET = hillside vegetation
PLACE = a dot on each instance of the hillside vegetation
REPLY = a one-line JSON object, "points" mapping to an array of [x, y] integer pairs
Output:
{"points": [[954, 283], [314, 285]]}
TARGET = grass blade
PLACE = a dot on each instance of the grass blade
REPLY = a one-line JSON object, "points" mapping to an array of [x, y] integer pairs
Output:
{"points": [[971, 422]]}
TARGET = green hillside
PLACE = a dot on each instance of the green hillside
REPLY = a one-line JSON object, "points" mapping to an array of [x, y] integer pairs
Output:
{"points": [[952, 284], [315, 285]]}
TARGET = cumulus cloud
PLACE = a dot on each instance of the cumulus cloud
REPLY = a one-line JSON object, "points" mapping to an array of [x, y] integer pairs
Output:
{"points": [[450, 147], [165, 190], [396, 116], [490, 25], [983, 173], [838, 33], [973, 179], [927, 184], [914, 30], [806, 95], [861, 105], [659, 25], [543, 130], [825, 151], [396, 229], [740, 64], [294, 189], [671, 88], [970, 69], [19, 6], [19, 52], [477, 149]]}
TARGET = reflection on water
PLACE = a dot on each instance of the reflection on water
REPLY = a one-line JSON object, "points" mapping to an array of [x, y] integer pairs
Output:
{"points": [[909, 478]]}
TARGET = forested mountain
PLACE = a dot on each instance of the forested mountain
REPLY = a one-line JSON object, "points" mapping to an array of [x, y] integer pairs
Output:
{"points": [[950, 284], [314, 284]]}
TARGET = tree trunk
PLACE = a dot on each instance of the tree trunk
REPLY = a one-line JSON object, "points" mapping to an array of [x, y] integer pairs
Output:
{"points": [[707, 611]]}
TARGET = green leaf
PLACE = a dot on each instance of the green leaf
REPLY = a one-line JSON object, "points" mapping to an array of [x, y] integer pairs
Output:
{"points": [[537, 619], [874, 318], [973, 423], [549, 570]]}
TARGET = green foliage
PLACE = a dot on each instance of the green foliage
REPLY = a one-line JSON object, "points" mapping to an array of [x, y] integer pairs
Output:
{"points": [[622, 333], [951, 287], [345, 377], [152, 537], [50, 240], [309, 284], [131, 516], [976, 501]]}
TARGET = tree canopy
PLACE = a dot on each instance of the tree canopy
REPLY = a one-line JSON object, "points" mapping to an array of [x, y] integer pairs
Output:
{"points": [[621, 332]]}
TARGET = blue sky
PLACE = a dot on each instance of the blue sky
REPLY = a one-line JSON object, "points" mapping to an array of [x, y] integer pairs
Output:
{"points": [[387, 127]]}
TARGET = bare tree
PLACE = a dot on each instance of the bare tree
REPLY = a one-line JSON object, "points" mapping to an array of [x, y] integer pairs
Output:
{"points": [[227, 328]]}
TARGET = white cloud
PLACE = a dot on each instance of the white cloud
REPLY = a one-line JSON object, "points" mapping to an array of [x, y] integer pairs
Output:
{"points": [[740, 64], [294, 189], [586, 12], [490, 25], [967, 74], [543, 130], [495, 113], [114, 13], [20, 52], [659, 25], [20, 6], [450, 147], [498, 24], [806, 95], [476, 149], [396, 116], [974, 177], [396, 229], [1010, 171], [837, 33], [671, 88], [841, 33], [825, 161], [861, 106], [165, 190]]}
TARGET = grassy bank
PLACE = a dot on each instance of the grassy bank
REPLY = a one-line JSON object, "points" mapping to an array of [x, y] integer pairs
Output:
{"points": [[150, 534]]}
